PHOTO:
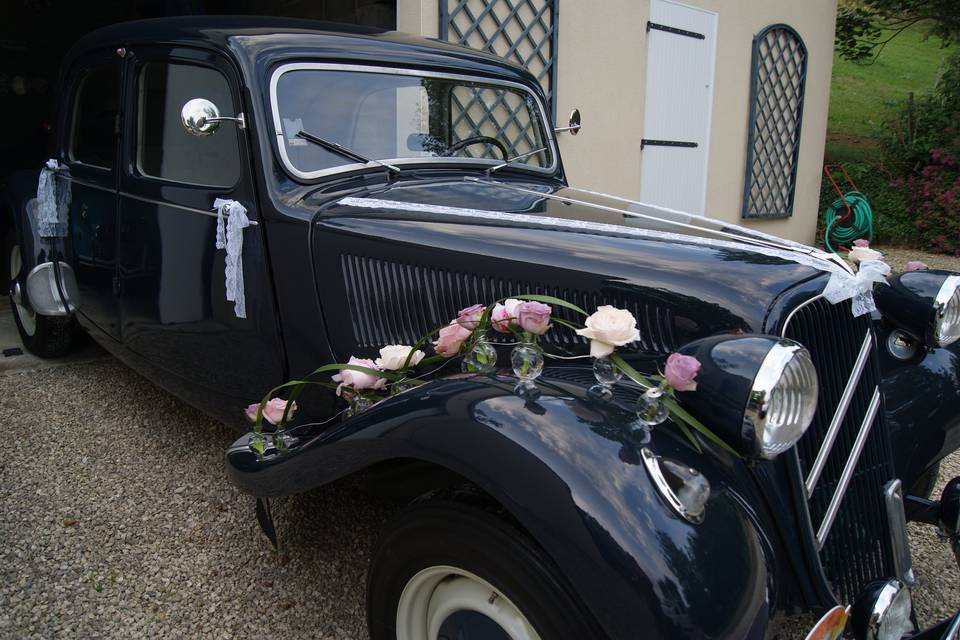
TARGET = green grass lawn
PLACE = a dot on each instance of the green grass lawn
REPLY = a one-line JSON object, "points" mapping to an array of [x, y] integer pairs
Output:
{"points": [[863, 98]]}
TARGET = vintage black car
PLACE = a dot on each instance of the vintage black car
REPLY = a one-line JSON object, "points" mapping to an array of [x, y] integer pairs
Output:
{"points": [[389, 181]]}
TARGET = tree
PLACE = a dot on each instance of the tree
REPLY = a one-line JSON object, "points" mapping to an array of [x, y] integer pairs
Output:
{"points": [[866, 26]]}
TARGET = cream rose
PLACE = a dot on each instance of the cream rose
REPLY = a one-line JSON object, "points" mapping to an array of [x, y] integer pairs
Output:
{"points": [[392, 357], [607, 328], [862, 254]]}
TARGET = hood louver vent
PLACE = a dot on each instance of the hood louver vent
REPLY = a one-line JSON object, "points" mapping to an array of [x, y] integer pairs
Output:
{"points": [[395, 303]]}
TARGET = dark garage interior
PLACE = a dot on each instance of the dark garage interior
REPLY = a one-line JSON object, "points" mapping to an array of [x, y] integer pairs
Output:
{"points": [[35, 35]]}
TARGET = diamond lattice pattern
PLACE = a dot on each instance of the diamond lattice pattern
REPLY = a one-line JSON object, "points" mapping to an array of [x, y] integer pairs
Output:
{"points": [[778, 86], [522, 31]]}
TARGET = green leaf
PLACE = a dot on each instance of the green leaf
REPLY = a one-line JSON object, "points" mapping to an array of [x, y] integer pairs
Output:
{"points": [[686, 432], [677, 410], [632, 373], [419, 344], [536, 297], [568, 325], [389, 375]]}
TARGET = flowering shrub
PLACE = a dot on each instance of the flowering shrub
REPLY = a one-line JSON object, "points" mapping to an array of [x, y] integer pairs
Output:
{"points": [[933, 194]]}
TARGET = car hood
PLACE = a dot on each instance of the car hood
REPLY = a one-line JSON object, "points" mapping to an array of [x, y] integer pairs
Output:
{"points": [[683, 276]]}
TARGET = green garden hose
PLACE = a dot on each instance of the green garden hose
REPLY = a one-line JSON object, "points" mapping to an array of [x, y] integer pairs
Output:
{"points": [[860, 225]]}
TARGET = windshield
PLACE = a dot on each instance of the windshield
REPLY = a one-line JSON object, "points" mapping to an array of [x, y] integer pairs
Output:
{"points": [[402, 117]]}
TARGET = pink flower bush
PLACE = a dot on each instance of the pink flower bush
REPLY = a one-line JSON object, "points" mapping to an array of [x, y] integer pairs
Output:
{"points": [[359, 380], [504, 315], [469, 318], [861, 242], [916, 265], [272, 411], [534, 317], [681, 372], [451, 338]]}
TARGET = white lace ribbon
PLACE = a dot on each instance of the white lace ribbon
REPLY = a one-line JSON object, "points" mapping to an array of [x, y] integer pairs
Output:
{"points": [[53, 199], [230, 237], [858, 288]]}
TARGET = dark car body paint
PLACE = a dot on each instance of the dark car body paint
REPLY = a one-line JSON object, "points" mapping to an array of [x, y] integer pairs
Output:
{"points": [[566, 468]]}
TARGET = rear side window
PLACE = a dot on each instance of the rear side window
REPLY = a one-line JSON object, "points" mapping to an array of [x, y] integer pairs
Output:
{"points": [[94, 131], [165, 150]]}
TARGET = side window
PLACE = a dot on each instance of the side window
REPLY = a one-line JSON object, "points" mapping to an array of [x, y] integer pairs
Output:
{"points": [[93, 132], [164, 148]]}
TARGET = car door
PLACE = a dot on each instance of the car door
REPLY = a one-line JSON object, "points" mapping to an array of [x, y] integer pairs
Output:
{"points": [[89, 148], [174, 310]]}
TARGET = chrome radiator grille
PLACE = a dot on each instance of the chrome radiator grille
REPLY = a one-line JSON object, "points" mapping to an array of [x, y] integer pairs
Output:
{"points": [[845, 456]]}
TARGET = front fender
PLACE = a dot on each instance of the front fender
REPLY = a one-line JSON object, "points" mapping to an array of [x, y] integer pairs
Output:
{"points": [[568, 469], [922, 403]]}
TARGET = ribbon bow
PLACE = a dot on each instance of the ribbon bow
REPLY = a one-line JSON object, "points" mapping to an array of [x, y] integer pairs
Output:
{"points": [[52, 202], [230, 237], [859, 288]]}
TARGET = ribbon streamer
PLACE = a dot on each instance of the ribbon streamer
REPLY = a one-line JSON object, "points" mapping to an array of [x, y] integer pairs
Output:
{"points": [[53, 199], [230, 237], [859, 288]]}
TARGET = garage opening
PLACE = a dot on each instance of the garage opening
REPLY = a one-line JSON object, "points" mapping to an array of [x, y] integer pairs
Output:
{"points": [[36, 34]]}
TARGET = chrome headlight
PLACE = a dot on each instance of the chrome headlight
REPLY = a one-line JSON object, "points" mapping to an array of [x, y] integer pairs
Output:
{"points": [[925, 304], [783, 399], [882, 612], [946, 327], [758, 393]]}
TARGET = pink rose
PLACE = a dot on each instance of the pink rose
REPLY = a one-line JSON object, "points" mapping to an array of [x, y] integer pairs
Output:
{"points": [[681, 372], [861, 242], [450, 339], [534, 317], [504, 315], [916, 265], [470, 317], [359, 380], [272, 411]]}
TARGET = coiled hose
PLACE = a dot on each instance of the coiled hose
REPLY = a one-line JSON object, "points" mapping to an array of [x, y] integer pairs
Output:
{"points": [[859, 226]]}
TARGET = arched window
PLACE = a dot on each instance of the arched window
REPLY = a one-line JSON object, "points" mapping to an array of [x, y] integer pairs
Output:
{"points": [[779, 68]]}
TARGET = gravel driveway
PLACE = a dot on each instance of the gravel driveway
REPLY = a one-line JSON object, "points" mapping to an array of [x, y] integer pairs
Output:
{"points": [[119, 522]]}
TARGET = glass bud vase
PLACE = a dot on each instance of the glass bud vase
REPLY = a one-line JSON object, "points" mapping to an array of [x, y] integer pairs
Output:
{"points": [[481, 358], [651, 409], [404, 384], [607, 375], [358, 404], [527, 361]]}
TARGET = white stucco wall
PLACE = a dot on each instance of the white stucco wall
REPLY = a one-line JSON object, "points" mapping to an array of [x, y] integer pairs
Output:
{"points": [[601, 71]]}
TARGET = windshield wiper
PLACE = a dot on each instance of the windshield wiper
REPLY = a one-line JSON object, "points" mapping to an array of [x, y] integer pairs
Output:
{"points": [[343, 151], [509, 161]]}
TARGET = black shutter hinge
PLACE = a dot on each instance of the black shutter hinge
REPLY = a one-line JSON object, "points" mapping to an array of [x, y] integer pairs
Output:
{"points": [[644, 142], [674, 30]]}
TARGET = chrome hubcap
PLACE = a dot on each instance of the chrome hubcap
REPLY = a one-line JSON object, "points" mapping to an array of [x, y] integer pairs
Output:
{"points": [[444, 602], [28, 319]]}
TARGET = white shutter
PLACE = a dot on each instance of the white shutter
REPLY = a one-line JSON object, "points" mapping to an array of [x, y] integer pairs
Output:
{"points": [[677, 105]]}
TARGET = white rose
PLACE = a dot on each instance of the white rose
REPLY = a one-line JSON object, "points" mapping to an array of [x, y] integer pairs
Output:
{"points": [[392, 357], [862, 254], [607, 328]]}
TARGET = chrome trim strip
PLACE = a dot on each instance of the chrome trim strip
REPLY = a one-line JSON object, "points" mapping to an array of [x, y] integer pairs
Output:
{"points": [[747, 240], [896, 517], [818, 465], [953, 633], [786, 322], [548, 134], [849, 468], [253, 223], [86, 184], [652, 462]]}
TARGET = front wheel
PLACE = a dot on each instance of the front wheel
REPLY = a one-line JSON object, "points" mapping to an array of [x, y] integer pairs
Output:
{"points": [[444, 569], [45, 336]]}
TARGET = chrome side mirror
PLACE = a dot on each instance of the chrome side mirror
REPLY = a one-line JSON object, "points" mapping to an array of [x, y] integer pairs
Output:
{"points": [[200, 117], [573, 126]]}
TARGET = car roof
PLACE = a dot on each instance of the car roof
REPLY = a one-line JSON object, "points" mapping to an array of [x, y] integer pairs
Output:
{"points": [[262, 40]]}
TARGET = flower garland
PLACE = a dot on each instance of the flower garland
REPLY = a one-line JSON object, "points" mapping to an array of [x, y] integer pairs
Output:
{"points": [[364, 382]]}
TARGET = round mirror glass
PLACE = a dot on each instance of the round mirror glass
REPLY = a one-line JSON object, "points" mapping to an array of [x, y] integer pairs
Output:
{"points": [[574, 122], [197, 117]]}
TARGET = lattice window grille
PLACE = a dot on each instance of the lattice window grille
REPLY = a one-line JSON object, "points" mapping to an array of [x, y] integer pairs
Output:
{"points": [[777, 87], [523, 31]]}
